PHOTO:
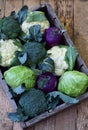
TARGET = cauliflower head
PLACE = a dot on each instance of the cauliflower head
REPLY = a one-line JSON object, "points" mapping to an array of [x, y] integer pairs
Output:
{"points": [[35, 18], [57, 54], [7, 52]]}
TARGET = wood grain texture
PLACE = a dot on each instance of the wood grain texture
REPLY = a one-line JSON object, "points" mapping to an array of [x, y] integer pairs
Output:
{"points": [[81, 28], [5, 123], [31, 3], [47, 124], [74, 16], [81, 43], [12, 5], [2, 8], [82, 116], [66, 120], [65, 11]]}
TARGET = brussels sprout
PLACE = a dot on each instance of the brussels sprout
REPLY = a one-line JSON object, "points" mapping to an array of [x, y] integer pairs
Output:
{"points": [[73, 83]]}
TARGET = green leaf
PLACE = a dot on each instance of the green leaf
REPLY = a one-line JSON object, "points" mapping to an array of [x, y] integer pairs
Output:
{"points": [[52, 99], [68, 99], [3, 36], [19, 89], [37, 71], [22, 58], [17, 116], [36, 16], [71, 56], [35, 34], [24, 37], [47, 65], [17, 43], [14, 15], [22, 14]]}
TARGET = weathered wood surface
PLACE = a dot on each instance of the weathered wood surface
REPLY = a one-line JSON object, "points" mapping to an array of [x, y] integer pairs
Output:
{"points": [[74, 16]]}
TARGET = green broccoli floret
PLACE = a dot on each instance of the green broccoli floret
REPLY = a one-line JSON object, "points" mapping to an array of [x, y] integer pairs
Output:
{"points": [[9, 27], [36, 52], [33, 102]]}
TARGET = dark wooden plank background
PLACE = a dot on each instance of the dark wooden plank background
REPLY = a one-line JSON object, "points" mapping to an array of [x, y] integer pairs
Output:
{"points": [[74, 16]]}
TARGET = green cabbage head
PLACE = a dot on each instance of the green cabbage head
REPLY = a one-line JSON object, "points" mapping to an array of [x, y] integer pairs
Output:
{"points": [[18, 75], [73, 83]]}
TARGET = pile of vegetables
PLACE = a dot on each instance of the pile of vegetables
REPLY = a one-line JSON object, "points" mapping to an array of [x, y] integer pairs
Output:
{"points": [[39, 67]]}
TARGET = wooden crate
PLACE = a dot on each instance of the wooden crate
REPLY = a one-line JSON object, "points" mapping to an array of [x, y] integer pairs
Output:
{"points": [[80, 66]]}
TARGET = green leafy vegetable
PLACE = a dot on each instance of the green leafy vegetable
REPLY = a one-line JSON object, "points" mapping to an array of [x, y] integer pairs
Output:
{"points": [[52, 99], [24, 37], [3, 36], [22, 14], [35, 52], [73, 83], [22, 57], [9, 28], [71, 56], [19, 89], [17, 116], [36, 16], [68, 99], [35, 34], [33, 102], [14, 15], [47, 65], [20, 75]]}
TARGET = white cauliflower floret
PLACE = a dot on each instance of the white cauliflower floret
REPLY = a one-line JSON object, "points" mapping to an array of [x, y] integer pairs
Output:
{"points": [[25, 26], [57, 54], [7, 52]]}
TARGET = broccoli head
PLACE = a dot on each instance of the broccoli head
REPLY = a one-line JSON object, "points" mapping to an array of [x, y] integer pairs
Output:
{"points": [[9, 27], [36, 52], [33, 102]]}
